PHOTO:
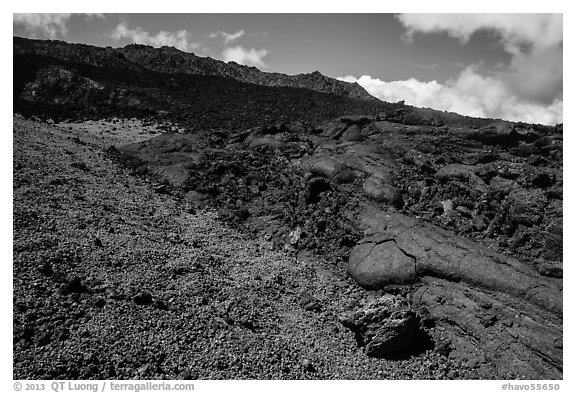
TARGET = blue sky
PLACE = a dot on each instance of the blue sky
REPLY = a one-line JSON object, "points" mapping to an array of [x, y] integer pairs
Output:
{"points": [[493, 65]]}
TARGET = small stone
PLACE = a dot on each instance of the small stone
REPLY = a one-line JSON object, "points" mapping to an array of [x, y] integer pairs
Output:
{"points": [[187, 375], [161, 305], [73, 286], [472, 363], [464, 211], [443, 347], [46, 269], [447, 205], [551, 269], [308, 302], [62, 334], [44, 339], [558, 343], [294, 236], [100, 303], [488, 320], [143, 298], [242, 214], [308, 365]]}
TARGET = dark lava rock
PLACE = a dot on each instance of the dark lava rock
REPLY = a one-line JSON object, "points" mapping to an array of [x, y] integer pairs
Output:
{"points": [[384, 326], [353, 134], [356, 120], [308, 366], [187, 375], [242, 214], [80, 165], [100, 303], [380, 190], [317, 186], [498, 134], [537, 160], [161, 305], [62, 334], [344, 176], [44, 339], [73, 286], [375, 264], [443, 347], [196, 198], [489, 320], [332, 129], [46, 269], [324, 166], [542, 180], [403, 248], [308, 302], [551, 269], [463, 173], [529, 338], [526, 206], [143, 298], [553, 242], [523, 150]]}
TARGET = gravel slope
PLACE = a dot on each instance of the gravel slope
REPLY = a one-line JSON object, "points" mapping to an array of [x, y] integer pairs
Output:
{"points": [[114, 280]]}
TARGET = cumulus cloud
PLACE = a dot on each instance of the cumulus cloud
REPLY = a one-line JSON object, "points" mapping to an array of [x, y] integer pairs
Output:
{"points": [[469, 94], [228, 37], [47, 25], [513, 29], [527, 88], [245, 56], [534, 41], [178, 39]]}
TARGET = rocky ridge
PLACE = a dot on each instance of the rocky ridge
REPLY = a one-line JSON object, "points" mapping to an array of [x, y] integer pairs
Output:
{"points": [[170, 60], [60, 81]]}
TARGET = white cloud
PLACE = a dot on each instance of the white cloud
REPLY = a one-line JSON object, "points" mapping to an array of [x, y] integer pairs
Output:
{"points": [[470, 94], [245, 56], [514, 29], [534, 41], [228, 37], [178, 39], [47, 25], [527, 88]]}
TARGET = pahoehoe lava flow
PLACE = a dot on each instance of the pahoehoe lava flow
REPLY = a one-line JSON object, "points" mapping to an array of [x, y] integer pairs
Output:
{"points": [[179, 217]]}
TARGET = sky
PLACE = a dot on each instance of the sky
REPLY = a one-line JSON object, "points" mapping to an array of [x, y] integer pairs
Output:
{"points": [[488, 65]]}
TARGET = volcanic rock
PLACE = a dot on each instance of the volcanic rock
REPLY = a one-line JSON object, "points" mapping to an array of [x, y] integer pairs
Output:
{"points": [[526, 206], [143, 298], [379, 262], [408, 248], [353, 134], [384, 326], [380, 190]]}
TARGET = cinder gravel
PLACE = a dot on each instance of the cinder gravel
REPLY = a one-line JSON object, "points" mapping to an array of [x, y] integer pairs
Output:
{"points": [[113, 280]]}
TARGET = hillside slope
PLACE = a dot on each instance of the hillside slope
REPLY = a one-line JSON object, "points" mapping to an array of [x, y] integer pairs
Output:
{"points": [[173, 61], [54, 79]]}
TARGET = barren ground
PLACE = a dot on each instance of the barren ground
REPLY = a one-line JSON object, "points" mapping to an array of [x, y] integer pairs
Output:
{"points": [[113, 280]]}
